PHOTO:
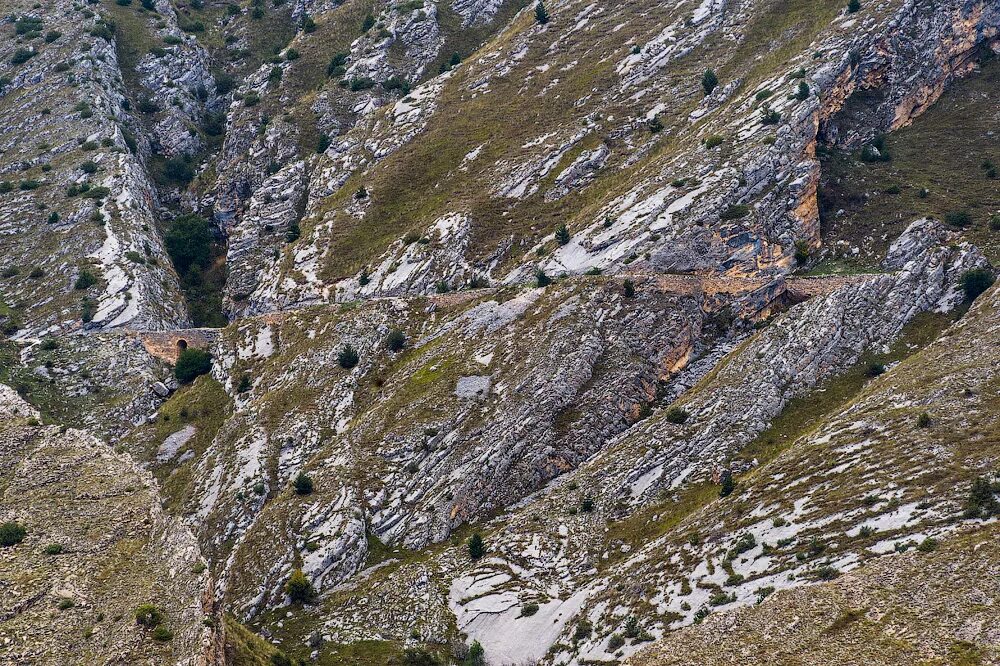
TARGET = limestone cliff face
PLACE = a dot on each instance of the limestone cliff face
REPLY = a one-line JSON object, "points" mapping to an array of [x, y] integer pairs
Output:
{"points": [[554, 277], [738, 208], [80, 201]]}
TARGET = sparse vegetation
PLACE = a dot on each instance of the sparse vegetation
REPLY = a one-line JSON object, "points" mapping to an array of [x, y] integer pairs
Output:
{"points": [[11, 534]]}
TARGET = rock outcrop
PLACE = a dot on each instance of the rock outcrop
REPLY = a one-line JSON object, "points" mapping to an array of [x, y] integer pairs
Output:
{"points": [[101, 574]]}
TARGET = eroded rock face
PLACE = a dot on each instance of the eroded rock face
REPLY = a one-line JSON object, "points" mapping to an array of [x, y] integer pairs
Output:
{"points": [[392, 373], [81, 202], [496, 403], [937, 588], [744, 207], [555, 549], [97, 547]]}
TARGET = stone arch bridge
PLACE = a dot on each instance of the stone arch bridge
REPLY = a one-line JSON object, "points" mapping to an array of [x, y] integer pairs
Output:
{"points": [[168, 345]]}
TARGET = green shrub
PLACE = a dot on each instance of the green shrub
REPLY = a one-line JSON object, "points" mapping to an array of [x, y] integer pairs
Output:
{"points": [[178, 170], [541, 279], [541, 14], [162, 634], [802, 252], [348, 357], [98, 192], [337, 63], [982, 501], [562, 235], [529, 609], [628, 288], [88, 308], [928, 545], [975, 282], [803, 91], [720, 598], [189, 242], [361, 83], [958, 218], [769, 116], [191, 364], [709, 81], [853, 6], [22, 56], [396, 340], [924, 420], [676, 415], [299, 588], [147, 105], [876, 151], [728, 485], [476, 546], [53, 549], [826, 572], [587, 505], [148, 615], [85, 280], [713, 140], [735, 212], [743, 544], [874, 369], [11, 534], [303, 484]]}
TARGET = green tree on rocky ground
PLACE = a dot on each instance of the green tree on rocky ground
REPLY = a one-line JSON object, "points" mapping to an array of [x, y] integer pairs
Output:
{"points": [[191, 364], [541, 14], [476, 547], [299, 587]]}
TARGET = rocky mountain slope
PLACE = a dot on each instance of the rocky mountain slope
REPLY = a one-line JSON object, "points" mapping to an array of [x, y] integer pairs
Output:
{"points": [[451, 331]]}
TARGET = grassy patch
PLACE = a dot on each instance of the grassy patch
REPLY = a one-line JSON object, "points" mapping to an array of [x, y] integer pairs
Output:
{"points": [[204, 405], [937, 167], [245, 648]]}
